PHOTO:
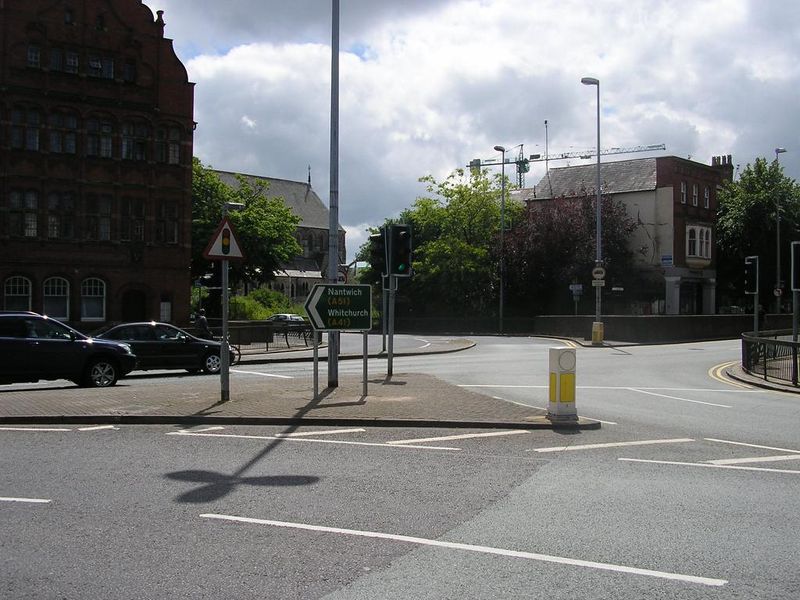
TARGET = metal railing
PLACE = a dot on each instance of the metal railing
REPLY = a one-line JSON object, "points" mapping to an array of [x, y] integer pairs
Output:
{"points": [[771, 355]]}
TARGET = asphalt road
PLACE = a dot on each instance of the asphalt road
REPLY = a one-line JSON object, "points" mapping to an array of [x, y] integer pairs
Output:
{"points": [[689, 490]]}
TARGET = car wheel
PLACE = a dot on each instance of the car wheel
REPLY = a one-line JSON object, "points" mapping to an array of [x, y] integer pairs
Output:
{"points": [[212, 363], [101, 372]]}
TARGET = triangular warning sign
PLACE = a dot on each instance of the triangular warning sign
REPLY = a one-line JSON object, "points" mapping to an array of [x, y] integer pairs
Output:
{"points": [[223, 244]]}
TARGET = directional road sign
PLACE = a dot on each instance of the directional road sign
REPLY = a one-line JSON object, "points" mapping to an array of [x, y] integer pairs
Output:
{"points": [[340, 307]]}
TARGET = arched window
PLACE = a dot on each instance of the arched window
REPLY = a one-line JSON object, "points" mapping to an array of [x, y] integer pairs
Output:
{"points": [[135, 136], [17, 293], [168, 145], [26, 125], [93, 299], [99, 137], [63, 132], [56, 297]]}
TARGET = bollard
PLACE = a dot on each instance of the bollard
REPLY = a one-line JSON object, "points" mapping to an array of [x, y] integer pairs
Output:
{"points": [[597, 333], [562, 385]]}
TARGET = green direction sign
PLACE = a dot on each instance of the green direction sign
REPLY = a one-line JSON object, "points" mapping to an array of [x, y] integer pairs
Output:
{"points": [[340, 307]]}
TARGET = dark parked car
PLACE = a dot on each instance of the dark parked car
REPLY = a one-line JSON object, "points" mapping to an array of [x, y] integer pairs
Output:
{"points": [[35, 347], [164, 346]]}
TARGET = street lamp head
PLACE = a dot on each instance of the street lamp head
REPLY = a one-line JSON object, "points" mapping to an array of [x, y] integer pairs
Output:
{"points": [[590, 81], [779, 151], [500, 148]]}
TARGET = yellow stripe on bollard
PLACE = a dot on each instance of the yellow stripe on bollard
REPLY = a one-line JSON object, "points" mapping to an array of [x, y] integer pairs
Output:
{"points": [[567, 387]]}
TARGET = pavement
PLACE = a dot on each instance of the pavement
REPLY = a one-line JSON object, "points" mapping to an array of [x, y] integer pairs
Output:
{"points": [[403, 400]]}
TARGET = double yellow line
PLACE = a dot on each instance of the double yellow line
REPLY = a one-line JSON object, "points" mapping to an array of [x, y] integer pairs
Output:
{"points": [[718, 373]]}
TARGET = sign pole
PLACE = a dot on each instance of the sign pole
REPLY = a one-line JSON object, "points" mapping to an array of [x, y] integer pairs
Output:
{"points": [[316, 365], [224, 353], [392, 281], [366, 357]]}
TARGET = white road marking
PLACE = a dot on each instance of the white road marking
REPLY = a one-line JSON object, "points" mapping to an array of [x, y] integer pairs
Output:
{"points": [[306, 433], [98, 428], [752, 445], [214, 428], [677, 398], [613, 387], [709, 466], [261, 374], [546, 409], [290, 439], [28, 500], [427, 343], [611, 445], [754, 459], [34, 429], [463, 436], [475, 548]]}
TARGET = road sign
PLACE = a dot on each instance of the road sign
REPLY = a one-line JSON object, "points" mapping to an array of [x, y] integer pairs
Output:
{"points": [[223, 244], [599, 273], [340, 307], [598, 283]]}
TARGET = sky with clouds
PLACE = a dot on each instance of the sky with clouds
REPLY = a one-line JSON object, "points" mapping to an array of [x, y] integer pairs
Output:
{"points": [[428, 85]]}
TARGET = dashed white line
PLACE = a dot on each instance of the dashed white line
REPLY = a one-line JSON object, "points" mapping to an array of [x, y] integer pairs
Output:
{"points": [[34, 429], [26, 500], [752, 445], [677, 398], [754, 459], [98, 428], [294, 439], [611, 445], [261, 374], [709, 466], [307, 433], [463, 436], [475, 548]]}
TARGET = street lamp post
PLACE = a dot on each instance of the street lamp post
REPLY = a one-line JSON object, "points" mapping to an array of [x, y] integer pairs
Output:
{"points": [[502, 231], [778, 151], [597, 326]]}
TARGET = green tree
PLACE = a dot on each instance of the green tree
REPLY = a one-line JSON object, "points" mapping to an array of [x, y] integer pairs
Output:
{"points": [[747, 225], [265, 227], [455, 233], [555, 245]]}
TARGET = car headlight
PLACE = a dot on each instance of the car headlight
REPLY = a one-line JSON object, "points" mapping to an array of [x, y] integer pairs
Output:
{"points": [[127, 348]]}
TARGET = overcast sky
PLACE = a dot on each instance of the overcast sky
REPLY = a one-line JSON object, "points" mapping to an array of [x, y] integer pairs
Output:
{"points": [[427, 85]]}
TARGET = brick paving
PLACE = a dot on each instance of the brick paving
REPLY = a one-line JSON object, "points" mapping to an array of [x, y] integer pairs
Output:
{"points": [[405, 399]]}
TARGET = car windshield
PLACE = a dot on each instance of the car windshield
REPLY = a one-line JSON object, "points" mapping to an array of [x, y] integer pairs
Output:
{"points": [[50, 329]]}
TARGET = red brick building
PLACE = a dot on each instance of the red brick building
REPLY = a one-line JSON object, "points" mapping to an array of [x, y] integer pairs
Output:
{"points": [[96, 126], [673, 202]]}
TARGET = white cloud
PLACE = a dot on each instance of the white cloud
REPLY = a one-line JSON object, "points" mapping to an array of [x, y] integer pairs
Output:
{"points": [[427, 85]]}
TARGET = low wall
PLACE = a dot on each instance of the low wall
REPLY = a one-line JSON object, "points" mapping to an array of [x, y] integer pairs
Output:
{"points": [[643, 329]]}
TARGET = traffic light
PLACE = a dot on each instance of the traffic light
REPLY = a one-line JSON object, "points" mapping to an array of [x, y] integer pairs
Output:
{"points": [[226, 241], [400, 251], [751, 275], [377, 251]]}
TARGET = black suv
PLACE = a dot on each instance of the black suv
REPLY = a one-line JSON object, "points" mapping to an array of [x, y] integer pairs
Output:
{"points": [[35, 347]]}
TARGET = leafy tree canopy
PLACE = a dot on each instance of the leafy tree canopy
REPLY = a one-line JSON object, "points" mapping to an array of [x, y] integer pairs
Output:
{"points": [[747, 225], [265, 227]]}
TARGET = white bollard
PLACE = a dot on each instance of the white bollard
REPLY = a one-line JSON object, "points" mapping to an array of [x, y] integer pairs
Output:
{"points": [[562, 385]]}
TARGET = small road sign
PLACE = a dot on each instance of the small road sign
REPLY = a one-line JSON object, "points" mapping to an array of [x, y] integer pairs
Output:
{"points": [[599, 273], [223, 244], [340, 307], [599, 283]]}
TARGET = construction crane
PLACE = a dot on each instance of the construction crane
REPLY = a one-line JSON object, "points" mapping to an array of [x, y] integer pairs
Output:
{"points": [[523, 164]]}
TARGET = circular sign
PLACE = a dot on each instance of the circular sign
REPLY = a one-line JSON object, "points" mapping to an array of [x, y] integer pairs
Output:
{"points": [[566, 361], [777, 292], [598, 272]]}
